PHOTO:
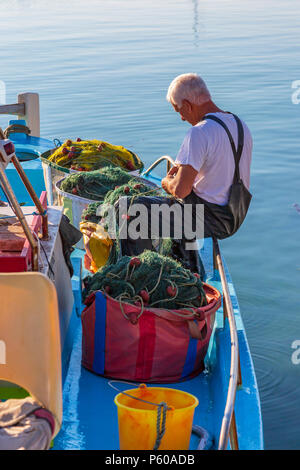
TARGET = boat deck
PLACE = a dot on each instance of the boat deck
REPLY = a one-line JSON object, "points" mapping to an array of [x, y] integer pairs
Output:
{"points": [[90, 416]]}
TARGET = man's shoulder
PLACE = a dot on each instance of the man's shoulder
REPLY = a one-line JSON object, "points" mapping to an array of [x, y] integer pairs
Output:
{"points": [[195, 132], [207, 127]]}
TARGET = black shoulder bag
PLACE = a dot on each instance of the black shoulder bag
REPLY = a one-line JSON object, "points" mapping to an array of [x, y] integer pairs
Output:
{"points": [[239, 196]]}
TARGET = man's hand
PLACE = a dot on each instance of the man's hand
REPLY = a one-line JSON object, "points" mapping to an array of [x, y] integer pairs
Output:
{"points": [[173, 170], [165, 181], [179, 181]]}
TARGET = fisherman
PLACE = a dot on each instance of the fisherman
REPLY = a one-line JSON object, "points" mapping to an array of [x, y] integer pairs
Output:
{"points": [[213, 164], [212, 170]]}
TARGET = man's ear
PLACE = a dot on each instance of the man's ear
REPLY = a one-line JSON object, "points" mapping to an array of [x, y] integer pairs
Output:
{"points": [[187, 105]]}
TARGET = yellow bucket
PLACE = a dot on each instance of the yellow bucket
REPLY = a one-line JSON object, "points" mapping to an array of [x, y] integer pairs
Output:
{"points": [[139, 421]]}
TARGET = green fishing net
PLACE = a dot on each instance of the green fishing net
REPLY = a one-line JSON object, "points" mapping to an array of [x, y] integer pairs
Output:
{"points": [[150, 279], [95, 185], [90, 213], [132, 189]]}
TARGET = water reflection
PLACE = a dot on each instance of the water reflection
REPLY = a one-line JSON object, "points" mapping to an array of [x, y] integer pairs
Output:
{"points": [[198, 27], [102, 71]]}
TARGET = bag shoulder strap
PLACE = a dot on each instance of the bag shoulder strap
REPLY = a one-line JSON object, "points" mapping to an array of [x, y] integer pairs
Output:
{"points": [[237, 152]]}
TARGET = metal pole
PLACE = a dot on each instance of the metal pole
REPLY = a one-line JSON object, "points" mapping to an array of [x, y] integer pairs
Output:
{"points": [[33, 196]]}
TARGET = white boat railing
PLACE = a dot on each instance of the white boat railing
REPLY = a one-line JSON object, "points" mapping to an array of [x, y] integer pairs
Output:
{"points": [[28, 108], [228, 427], [169, 160]]}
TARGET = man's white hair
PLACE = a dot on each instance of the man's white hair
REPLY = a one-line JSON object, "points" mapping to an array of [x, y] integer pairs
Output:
{"points": [[188, 86]]}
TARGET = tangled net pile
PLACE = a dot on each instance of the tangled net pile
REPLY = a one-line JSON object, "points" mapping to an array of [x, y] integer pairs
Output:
{"points": [[90, 213], [133, 188], [151, 280], [95, 185], [90, 155]]}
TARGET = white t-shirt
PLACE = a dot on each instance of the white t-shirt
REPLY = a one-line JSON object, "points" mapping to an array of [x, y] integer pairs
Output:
{"points": [[206, 147]]}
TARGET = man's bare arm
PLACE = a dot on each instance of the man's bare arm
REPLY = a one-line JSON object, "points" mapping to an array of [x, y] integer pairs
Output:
{"points": [[179, 181]]}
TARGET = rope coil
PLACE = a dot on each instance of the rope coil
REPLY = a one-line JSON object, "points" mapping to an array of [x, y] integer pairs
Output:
{"points": [[20, 128]]}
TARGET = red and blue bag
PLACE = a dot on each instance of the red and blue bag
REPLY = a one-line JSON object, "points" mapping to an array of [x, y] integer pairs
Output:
{"points": [[154, 345]]}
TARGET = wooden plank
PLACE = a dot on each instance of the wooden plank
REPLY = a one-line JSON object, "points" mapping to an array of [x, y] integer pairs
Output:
{"points": [[31, 111], [17, 109], [12, 237]]}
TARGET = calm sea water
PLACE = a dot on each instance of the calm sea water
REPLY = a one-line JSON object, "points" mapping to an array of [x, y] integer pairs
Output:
{"points": [[102, 69]]}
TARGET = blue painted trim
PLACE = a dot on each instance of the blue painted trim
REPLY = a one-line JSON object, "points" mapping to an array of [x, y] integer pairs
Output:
{"points": [[190, 357], [99, 339]]}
